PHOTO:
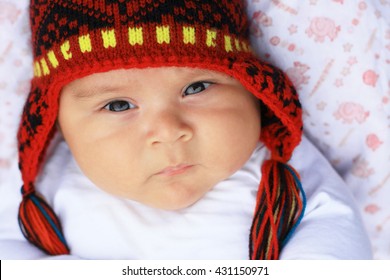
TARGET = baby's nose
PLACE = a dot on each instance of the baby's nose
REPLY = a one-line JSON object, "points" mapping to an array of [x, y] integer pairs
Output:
{"points": [[169, 126]]}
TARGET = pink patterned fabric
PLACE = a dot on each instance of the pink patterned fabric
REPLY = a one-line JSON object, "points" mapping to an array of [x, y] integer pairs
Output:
{"points": [[337, 53]]}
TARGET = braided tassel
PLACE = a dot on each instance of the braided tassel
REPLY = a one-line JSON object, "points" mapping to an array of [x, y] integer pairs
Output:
{"points": [[40, 225], [279, 209]]}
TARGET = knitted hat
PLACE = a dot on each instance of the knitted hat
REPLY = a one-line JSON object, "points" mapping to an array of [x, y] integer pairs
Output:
{"points": [[75, 38]]}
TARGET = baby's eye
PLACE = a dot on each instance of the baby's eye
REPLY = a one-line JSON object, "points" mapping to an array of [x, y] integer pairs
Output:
{"points": [[119, 106], [196, 88]]}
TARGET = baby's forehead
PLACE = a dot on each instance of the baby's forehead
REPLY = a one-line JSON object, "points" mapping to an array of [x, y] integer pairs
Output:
{"points": [[177, 70], [144, 75]]}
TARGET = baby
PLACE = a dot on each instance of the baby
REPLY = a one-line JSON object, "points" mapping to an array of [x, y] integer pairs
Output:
{"points": [[165, 108]]}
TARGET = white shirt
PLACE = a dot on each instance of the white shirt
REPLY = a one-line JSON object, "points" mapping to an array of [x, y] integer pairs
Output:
{"points": [[101, 226]]}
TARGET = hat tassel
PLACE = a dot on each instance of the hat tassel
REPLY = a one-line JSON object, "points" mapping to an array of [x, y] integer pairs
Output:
{"points": [[279, 210], [41, 226]]}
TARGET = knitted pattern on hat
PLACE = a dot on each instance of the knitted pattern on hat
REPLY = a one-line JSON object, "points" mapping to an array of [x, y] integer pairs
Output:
{"points": [[75, 38]]}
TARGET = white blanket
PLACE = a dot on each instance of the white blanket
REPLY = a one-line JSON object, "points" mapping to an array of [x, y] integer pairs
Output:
{"points": [[101, 226]]}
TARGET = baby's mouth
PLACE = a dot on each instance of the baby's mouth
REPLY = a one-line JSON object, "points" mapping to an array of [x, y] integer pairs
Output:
{"points": [[174, 170]]}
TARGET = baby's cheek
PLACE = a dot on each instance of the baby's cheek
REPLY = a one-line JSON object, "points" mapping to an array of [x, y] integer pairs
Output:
{"points": [[242, 146]]}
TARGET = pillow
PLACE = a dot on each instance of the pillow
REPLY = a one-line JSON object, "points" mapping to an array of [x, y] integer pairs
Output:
{"points": [[15, 76], [337, 53]]}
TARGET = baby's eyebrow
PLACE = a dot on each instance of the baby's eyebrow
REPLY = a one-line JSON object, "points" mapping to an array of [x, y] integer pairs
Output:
{"points": [[95, 91], [200, 71]]}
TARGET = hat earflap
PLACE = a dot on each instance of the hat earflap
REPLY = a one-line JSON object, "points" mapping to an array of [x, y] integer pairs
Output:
{"points": [[40, 225], [279, 209]]}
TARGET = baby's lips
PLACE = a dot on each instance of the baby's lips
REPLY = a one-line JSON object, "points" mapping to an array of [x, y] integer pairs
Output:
{"points": [[175, 170]]}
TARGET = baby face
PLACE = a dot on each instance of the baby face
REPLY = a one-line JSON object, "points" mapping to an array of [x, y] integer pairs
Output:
{"points": [[160, 136]]}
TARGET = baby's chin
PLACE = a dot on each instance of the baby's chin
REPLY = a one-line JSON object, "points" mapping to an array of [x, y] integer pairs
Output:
{"points": [[174, 204], [173, 193], [171, 202]]}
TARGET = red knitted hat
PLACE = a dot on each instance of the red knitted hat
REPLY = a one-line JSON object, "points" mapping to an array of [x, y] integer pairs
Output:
{"points": [[75, 38]]}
